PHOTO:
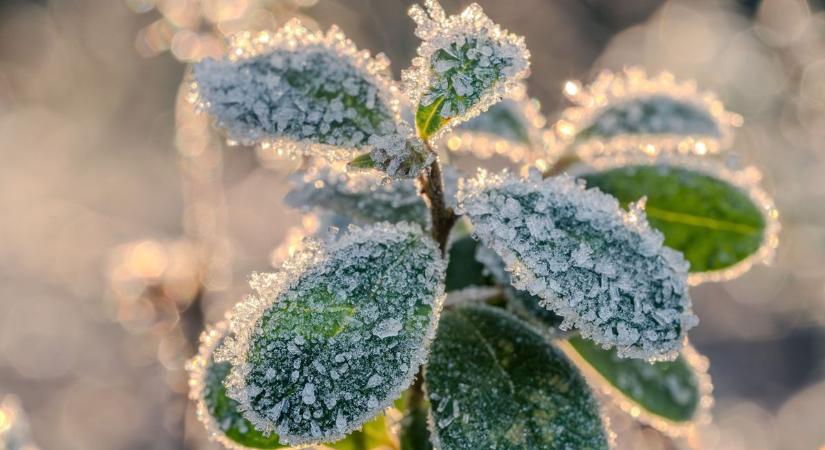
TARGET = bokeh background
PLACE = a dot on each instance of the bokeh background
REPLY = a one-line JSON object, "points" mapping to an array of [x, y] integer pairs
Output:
{"points": [[103, 219]]}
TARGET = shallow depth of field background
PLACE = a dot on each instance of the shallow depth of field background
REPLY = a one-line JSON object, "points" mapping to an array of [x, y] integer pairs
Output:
{"points": [[88, 163]]}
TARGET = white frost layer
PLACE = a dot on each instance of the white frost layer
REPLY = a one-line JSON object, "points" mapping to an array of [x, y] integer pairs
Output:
{"points": [[300, 92], [309, 385], [603, 269], [498, 59]]}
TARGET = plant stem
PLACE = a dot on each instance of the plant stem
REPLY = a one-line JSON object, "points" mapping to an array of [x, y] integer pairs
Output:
{"points": [[443, 217]]}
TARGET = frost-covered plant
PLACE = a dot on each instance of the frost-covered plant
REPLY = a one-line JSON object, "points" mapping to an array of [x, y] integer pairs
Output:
{"points": [[552, 287]]}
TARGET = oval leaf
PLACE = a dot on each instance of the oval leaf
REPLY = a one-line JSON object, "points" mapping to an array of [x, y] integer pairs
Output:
{"points": [[299, 91], [493, 382], [224, 420], [362, 196], [605, 271], [636, 109], [466, 63], [668, 395], [720, 224], [337, 334]]}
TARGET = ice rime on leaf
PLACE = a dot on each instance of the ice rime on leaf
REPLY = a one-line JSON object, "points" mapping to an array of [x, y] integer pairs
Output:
{"points": [[495, 383], [299, 92], [401, 154], [602, 269], [219, 414], [363, 196], [630, 110], [316, 337], [465, 64]]}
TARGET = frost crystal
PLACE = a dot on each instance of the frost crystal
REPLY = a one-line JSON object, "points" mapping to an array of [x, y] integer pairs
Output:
{"points": [[466, 63], [400, 155], [299, 92], [220, 415], [362, 196], [630, 109], [334, 337], [602, 269]]}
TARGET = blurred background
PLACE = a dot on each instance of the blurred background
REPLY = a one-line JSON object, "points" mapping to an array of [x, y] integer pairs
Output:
{"points": [[105, 223]]}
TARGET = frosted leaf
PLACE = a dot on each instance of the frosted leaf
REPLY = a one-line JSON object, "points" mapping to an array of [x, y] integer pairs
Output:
{"points": [[463, 270], [299, 92], [362, 196], [465, 64], [219, 414], [513, 128], [494, 383], [671, 396], [631, 292], [718, 217], [400, 155], [633, 110], [329, 300], [15, 433]]}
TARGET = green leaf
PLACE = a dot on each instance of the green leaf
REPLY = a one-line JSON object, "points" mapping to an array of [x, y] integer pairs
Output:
{"points": [[466, 64], [669, 390], [493, 382], [605, 271], [653, 115], [428, 120], [504, 119], [299, 91], [463, 269], [335, 336], [226, 414], [712, 222], [362, 197], [224, 419]]}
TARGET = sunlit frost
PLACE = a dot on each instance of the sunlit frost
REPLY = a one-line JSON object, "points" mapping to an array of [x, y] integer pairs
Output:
{"points": [[602, 269]]}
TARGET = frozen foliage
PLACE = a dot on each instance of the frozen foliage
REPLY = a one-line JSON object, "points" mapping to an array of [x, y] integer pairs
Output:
{"points": [[301, 92], [333, 338], [363, 196], [494, 383], [400, 155], [465, 64], [220, 415], [602, 269], [657, 114]]}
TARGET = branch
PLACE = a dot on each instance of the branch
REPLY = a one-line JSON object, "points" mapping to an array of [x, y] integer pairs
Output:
{"points": [[443, 217]]}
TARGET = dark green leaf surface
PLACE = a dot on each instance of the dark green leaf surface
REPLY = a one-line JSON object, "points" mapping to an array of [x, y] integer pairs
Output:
{"points": [[657, 114], [493, 382], [503, 120], [414, 434], [343, 336], [713, 223], [225, 411], [463, 269], [668, 389]]}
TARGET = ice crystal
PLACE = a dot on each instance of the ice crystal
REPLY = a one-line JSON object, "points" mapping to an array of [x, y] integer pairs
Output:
{"points": [[602, 269], [219, 414], [633, 109], [299, 92], [362, 196], [513, 128], [465, 64], [494, 383], [335, 336], [400, 155], [732, 217]]}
